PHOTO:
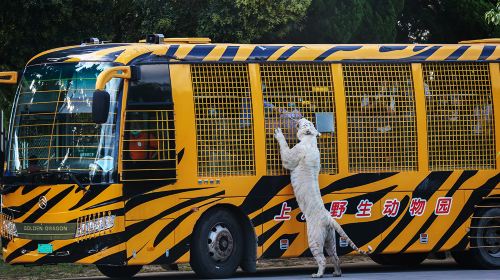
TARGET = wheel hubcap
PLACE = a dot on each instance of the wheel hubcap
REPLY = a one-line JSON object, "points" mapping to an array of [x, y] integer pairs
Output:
{"points": [[220, 243]]}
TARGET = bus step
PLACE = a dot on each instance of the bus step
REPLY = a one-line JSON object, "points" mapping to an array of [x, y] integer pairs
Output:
{"points": [[477, 247], [487, 206]]}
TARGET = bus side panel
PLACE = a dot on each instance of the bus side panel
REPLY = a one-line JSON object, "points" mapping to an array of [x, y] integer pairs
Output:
{"points": [[285, 233]]}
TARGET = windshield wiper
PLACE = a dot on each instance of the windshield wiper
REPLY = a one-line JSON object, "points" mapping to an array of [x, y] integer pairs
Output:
{"points": [[77, 182], [71, 177]]}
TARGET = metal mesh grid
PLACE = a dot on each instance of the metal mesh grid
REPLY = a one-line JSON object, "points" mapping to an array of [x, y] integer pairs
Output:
{"points": [[459, 116], [224, 124], [295, 91], [380, 117], [149, 145]]}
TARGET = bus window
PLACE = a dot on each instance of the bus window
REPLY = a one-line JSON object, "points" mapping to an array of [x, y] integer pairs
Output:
{"points": [[152, 87], [293, 91], [224, 123], [459, 118], [380, 117], [149, 137]]}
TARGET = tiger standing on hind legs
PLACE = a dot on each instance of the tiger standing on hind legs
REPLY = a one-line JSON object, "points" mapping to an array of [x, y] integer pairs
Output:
{"points": [[303, 160]]}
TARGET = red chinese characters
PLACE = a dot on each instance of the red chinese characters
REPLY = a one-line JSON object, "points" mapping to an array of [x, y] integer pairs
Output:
{"points": [[443, 206], [417, 206], [364, 209], [391, 208], [284, 213], [338, 208]]}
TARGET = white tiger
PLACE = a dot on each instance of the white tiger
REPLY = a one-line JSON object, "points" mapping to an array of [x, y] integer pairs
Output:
{"points": [[303, 160]]}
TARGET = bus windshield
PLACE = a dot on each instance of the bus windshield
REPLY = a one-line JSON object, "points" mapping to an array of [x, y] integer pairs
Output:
{"points": [[52, 128]]}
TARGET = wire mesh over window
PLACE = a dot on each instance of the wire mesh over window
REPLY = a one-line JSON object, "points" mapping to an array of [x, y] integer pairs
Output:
{"points": [[224, 124], [459, 116], [52, 129], [293, 91], [149, 145], [380, 117]]}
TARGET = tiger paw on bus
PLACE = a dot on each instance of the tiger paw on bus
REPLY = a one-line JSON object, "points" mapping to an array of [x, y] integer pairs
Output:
{"points": [[162, 152]]}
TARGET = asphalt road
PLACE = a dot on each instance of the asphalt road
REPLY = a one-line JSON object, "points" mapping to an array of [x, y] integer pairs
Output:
{"points": [[430, 269]]}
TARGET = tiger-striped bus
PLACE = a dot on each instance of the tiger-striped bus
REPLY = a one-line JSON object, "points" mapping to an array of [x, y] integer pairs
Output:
{"points": [[162, 152]]}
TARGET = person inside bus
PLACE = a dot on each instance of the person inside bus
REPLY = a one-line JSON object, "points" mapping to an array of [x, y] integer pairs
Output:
{"points": [[143, 144], [284, 116], [33, 164], [381, 106]]}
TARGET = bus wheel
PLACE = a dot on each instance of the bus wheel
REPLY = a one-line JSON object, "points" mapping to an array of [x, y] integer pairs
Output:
{"points": [[485, 238], [408, 259], [217, 245], [464, 258], [122, 272]]}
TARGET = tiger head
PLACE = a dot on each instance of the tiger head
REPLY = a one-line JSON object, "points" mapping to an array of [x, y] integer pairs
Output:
{"points": [[306, 128]]}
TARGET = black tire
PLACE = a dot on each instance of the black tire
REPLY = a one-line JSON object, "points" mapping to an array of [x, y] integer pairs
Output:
{"points": [[408, 259], [119, 272], [464, 259], [216, 245], [485, 238]]}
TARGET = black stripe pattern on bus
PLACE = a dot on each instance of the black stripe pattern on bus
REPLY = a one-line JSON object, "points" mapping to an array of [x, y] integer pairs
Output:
{"points": [[466, 175], [62, 55], [424, 190], [468, 209]]}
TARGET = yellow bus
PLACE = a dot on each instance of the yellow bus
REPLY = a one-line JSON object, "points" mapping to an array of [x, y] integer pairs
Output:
{"points": [[162, 152]]}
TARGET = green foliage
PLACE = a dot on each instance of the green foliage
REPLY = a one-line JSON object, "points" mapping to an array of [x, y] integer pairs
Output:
{"points": [[445, 21], [249, 20], [350, 21], [332, 21], [32, 26], [379, 23], [493, 15]]}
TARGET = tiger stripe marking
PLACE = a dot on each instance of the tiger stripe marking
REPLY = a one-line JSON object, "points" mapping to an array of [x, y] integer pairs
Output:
{"points": [[452, 183], [182, 53], [430, 221]]}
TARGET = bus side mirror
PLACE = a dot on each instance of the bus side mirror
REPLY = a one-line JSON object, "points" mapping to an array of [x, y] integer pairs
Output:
{"points": [[100, 106], [101, 99], [8, 77]]}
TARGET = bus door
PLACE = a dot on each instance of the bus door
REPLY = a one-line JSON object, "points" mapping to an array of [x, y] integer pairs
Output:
{"points": [[148, 146], [148, 157]]}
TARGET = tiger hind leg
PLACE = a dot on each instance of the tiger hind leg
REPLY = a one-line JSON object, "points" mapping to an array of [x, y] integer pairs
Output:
{"points": [[331, 250], [316, 245]]}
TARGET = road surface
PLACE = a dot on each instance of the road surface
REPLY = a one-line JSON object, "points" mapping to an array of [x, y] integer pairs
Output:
{"points": [[430, 269]]}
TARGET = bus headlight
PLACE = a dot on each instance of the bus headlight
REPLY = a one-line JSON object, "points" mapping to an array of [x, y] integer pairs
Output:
{"points": [[94, 225], [9, 228]]}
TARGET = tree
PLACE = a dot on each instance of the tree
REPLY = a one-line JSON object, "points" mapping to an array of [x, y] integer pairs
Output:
{"points": [[350, 21], [493, 15], [445, 21], [248, 21], [331, 21], [379, 23]]}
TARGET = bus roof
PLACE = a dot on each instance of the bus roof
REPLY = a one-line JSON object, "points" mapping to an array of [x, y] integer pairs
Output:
{"points": [[137, 53]]}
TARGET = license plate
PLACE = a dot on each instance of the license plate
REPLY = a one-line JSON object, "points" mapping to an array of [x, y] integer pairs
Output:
{"points": [[45, 248]]}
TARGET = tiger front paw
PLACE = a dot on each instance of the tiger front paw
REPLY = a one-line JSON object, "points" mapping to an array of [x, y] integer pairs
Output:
{"points": [[278, 134]]}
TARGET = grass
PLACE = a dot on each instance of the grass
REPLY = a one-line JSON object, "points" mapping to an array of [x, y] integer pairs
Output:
{"points": [[46, 271]]}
